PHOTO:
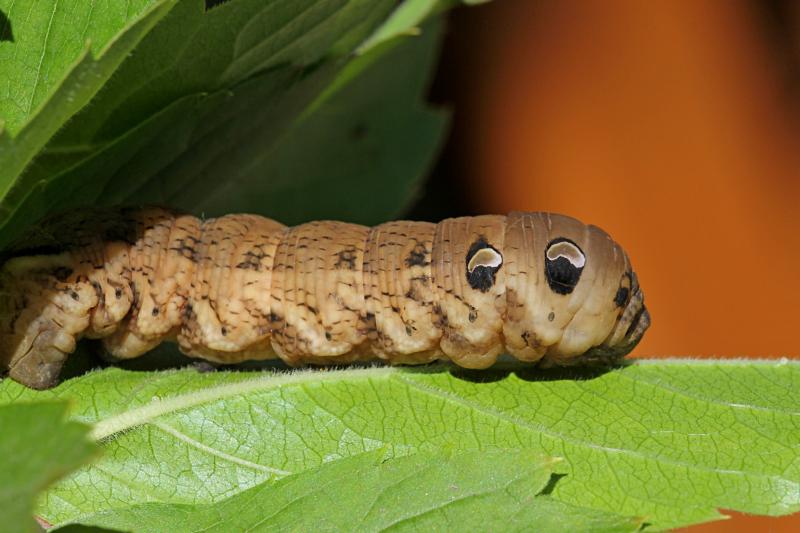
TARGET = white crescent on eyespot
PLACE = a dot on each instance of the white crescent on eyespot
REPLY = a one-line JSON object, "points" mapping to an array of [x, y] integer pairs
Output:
{"points": [[485, 257], [568, 251]]}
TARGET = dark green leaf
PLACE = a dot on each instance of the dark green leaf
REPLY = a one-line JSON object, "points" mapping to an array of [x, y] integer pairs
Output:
{"points": [[49, 104], [37, 447], [227, 124]]}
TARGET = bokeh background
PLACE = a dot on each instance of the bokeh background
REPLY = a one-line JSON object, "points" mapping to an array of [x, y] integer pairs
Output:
{"points": [[672, 124]]}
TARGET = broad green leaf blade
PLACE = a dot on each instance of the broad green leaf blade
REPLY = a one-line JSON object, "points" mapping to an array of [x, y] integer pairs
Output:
{"points": [[357, 155], [48, 38], [55, 100], [238, 35], [498, 489], [668, 441], [177, 129], [118, 167], [37, 447]]}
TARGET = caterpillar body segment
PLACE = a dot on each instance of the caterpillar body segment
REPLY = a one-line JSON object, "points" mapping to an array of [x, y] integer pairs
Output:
{"points": [[544, 288]]}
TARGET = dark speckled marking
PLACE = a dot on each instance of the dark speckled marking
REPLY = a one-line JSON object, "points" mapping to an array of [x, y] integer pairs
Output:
{"points": [[346, 259], [418, 256], [621, 296]]}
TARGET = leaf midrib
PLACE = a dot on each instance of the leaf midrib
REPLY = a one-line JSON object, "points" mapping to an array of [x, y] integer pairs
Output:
{"points": [[154, 409]]}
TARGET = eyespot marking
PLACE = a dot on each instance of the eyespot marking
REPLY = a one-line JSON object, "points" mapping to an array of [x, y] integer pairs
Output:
{"points": [[564, 262], [483, 262]]}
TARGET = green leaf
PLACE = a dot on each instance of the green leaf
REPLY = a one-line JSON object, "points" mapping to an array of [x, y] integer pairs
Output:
{"points": [[499, 489], [37, 447], [50, 71], [670, 441], [48, 39], [357, 153], [216, 50], [404, 21], [262, 86], [407, 19]]}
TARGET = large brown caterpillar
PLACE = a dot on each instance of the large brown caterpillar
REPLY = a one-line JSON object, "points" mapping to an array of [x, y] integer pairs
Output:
{"points": [[539, 286]]}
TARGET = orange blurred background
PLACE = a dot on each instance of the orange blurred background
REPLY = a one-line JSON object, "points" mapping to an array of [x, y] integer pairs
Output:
{"points": [[673, 125]]}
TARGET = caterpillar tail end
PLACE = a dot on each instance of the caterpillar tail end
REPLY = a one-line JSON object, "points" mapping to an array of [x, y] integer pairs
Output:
{"points": [[40, 319]]}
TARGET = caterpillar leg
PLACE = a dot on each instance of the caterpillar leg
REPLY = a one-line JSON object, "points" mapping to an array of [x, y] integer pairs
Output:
{"points": [[41, 317]]}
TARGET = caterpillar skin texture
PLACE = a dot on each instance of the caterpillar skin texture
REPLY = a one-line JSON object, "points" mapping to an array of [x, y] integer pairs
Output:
{"points": [[542, 287]]}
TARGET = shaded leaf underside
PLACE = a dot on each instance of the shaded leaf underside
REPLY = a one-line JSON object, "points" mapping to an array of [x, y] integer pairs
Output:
{"points": [[227, 120]]}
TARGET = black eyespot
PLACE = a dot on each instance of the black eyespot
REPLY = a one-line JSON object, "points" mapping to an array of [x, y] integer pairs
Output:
{"points": [[622, 296], [483, 262], [563, 265]]}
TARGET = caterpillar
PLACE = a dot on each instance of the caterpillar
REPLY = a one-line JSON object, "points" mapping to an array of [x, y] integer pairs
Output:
{"points": [[542, 287]]}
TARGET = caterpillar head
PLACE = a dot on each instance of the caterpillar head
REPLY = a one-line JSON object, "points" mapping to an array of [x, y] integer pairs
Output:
{"points": [[572, 295]]}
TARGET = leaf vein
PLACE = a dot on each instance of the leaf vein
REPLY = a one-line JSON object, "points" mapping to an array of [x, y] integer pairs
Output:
{"points": [[583, 443], [166, 428]]}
